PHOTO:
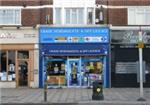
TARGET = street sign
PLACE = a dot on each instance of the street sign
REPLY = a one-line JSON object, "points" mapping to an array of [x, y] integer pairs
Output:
{"points": [[140, 45]]}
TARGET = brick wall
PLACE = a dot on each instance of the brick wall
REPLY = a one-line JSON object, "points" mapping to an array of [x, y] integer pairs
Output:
{"points": [[38, 16], [25, 2], [32, 17], [119, 16], [125, 2]]}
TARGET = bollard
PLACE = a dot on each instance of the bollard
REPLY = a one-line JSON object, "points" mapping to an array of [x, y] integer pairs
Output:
{"points": [[97, 90], [45, 91]]}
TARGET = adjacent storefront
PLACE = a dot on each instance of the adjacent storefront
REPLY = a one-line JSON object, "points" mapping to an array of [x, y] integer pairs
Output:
{"points": [[125, 57], [18, 57], [73, 56]]}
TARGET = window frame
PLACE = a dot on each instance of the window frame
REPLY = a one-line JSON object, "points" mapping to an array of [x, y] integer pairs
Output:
{"points": [[20, 14], [90, 8], [137, 11], [54, 16], [71, 17], [7, 66]]}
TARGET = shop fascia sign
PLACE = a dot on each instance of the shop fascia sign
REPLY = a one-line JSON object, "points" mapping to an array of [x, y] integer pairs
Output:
{"points": [[131, 37], [7, 36], [71, 35]]}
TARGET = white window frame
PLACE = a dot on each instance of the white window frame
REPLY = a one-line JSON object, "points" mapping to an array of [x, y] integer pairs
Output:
{"points": [[54, 15], [77, 11], [13, 9], [63, 15], [134, 19]]}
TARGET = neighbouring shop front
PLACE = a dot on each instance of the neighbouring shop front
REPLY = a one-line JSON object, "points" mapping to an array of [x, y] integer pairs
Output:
{"points": [[125, 57], [18, 52], [74, 56]]}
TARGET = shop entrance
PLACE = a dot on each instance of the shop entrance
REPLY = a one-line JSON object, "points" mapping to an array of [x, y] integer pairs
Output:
{"points": [[74, 73], [23, 68]]}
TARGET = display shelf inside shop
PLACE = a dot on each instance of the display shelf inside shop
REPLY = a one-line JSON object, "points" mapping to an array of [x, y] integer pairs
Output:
{"points": [[56, 80]]}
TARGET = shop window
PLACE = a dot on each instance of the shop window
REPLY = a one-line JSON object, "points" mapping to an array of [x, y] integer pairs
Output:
{"points": [[147, 68], [56, 68], [93, 67], [11, 65], [91, 71], [23, 54], [7, 67], [55, 72], [3, 66]]}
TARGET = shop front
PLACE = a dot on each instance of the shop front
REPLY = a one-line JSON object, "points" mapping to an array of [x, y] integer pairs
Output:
{"points": [[125, 57], [17, 55], [73, 56]]}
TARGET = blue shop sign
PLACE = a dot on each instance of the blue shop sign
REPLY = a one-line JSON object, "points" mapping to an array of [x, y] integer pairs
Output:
{"points": [[74, 34], [73, 49]]}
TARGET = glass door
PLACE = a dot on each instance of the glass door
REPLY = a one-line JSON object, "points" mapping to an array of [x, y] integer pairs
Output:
{"points": [[23, 66], [23, 72], [74, 78]]}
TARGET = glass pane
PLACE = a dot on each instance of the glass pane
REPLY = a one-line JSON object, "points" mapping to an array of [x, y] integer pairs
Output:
{"points": [[17, 16], [23, 73], [131, 17], [90, 16], [58, 15], [91, 71], [67, 16], [80, 16], [10, 16], [23, 54], [56, 73], [11, 65], [56, 68], [140, 18], [74, 16], [3, 66], [147, 68], [147, 22], [1, 16]]}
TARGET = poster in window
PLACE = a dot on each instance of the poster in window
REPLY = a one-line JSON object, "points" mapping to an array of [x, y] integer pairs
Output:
{"points": [[11, 67], [9, 77]]}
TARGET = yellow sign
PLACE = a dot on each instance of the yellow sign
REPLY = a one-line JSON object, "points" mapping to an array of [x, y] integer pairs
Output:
{"points": [[140, 45]]}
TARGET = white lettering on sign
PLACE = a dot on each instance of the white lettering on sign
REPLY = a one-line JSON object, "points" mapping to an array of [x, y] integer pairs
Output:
{"points": [[7, 36], [131, 37]]}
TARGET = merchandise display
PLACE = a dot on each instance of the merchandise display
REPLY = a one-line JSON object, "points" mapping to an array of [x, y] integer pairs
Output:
{"points": [[56, 69], [56, 80], [56, 73], [60, 73]]}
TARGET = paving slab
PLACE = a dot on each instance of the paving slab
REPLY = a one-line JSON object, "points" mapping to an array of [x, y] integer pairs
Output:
{"points": [[73, 96]]}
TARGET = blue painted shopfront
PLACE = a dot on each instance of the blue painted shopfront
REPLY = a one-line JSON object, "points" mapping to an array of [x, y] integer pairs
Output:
{"points": [[73, 56]]}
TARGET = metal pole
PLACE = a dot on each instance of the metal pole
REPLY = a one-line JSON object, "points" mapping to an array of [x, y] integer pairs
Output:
{"points": [[141, 68], [107, 12], [141, 73], [45, 92], [45, 82]]}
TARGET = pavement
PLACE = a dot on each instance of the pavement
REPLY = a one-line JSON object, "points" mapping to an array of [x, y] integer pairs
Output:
{"points": [[73, 96]]}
